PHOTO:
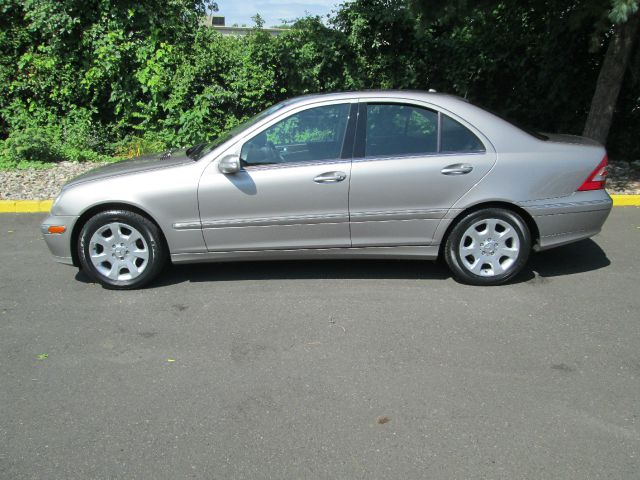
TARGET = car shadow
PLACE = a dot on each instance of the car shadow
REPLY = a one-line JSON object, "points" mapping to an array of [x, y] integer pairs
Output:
{"points": [[583, 256], [302, 270], [580, 257]]}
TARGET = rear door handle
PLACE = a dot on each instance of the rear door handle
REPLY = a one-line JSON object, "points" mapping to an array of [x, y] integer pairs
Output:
{"points": [[330, 177], [457, 169]]}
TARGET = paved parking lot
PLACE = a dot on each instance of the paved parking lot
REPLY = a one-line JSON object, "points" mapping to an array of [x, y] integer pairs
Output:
{"points": [[362, 369]]}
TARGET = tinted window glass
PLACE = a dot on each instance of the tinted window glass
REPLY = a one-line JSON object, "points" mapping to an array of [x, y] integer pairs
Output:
{"points": [[400, 130], [310, 135], [458, 138]]}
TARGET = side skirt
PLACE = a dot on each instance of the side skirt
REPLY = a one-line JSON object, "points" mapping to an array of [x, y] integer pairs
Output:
{"points": [[409, 252]]}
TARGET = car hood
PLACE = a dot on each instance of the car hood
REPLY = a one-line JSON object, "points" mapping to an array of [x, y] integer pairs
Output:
{"points": [[133, 166]]}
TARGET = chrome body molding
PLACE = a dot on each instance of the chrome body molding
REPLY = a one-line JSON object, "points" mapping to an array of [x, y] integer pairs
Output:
{"points": [[585, 201], [289, 220], [187, 226], [583, 205], [278, 166], [385, 215], [312, 219]]}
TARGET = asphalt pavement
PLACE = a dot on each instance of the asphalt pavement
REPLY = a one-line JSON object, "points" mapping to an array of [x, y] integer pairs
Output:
{"points": [[325, 369]]}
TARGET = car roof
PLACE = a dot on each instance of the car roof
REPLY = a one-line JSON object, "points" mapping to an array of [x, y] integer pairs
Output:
{"points": [[502, 134], [422, 94]]}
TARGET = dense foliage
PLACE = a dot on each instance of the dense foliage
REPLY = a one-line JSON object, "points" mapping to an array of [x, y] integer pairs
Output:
{"points": [[91, 79]]}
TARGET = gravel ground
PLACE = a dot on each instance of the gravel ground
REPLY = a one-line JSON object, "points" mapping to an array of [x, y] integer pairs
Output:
{"points": [[32, 184], [624, 178], [40, 184]]}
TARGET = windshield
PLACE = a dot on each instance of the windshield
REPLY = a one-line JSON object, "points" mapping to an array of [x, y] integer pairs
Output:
{"points": [[198, 151]]}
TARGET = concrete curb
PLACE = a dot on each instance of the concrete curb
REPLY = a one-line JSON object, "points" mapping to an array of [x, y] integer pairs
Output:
{"points": [[25, 206], [43, 206], [626, 200]]}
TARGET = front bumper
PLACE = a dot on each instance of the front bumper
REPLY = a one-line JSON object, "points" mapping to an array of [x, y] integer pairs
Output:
{"points": [[59, 243]]}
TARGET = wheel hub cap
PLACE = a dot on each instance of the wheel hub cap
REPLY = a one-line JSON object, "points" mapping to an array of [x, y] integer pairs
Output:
{"points": [[118, 251], [489, 247]]}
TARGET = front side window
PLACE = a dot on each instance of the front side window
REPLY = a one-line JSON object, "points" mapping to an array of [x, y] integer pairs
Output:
{"points": [[310, 135], [400, 130]]}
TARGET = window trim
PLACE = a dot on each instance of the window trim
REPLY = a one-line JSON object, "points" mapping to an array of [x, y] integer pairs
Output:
{"points": [[439, 136], [361, 132], [344, 149], [348, 143]]}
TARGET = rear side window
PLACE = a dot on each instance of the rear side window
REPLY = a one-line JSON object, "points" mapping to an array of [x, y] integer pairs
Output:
{"points": [[456, 138], [408, 130], [400, 130]]}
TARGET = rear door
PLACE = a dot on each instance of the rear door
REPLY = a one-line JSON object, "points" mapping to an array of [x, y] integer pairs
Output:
{"points": [[411, 164]]}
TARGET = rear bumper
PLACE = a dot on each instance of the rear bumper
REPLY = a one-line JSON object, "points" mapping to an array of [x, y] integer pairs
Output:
{"points": [[59, 243], [569, 219]]}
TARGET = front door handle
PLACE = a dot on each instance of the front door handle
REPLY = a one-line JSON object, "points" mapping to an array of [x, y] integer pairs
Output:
{"points": [[457, 169], [330, 177]]}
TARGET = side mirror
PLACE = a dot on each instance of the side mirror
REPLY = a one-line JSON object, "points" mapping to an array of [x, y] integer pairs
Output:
{"points": [[229, 164]]}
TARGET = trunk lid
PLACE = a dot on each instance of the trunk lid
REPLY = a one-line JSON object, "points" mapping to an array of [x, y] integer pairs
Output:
{"points": [[571, 139]]}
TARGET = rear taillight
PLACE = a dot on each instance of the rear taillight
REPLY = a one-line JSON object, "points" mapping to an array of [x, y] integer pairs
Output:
{"points": [[597, 179]]}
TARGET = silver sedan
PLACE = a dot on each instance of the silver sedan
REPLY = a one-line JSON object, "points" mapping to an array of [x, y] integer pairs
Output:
{"points": [[376, 174]]}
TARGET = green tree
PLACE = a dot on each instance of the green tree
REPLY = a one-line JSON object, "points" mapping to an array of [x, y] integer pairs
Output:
{"points": [[622, 38], [385, 41], [67, 69], [87, 79]]}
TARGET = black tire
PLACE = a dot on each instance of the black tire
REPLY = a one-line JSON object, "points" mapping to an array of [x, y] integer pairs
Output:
{"points": [[149, 243], [497, 268]]}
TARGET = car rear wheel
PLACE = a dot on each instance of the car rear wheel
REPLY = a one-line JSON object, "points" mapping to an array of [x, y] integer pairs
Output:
{"points": [[488, 247], [121, 249]]}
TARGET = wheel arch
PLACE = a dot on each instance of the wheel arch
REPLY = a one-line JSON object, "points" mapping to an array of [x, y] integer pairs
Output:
{"points": [[526, 216], [103, 207]]}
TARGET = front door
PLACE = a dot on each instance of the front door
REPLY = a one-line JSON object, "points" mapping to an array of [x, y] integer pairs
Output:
{"points": [[292, 191]]}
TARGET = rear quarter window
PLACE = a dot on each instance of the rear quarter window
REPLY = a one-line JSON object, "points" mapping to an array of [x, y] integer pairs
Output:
{"points": [[456, 138]]}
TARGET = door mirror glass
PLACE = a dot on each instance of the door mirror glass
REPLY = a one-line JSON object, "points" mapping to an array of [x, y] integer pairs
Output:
{"points": [[229, 164]]}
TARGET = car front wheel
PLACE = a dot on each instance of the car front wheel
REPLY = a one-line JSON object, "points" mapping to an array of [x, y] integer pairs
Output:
{"points": [[488, 247], [121, 249]]}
